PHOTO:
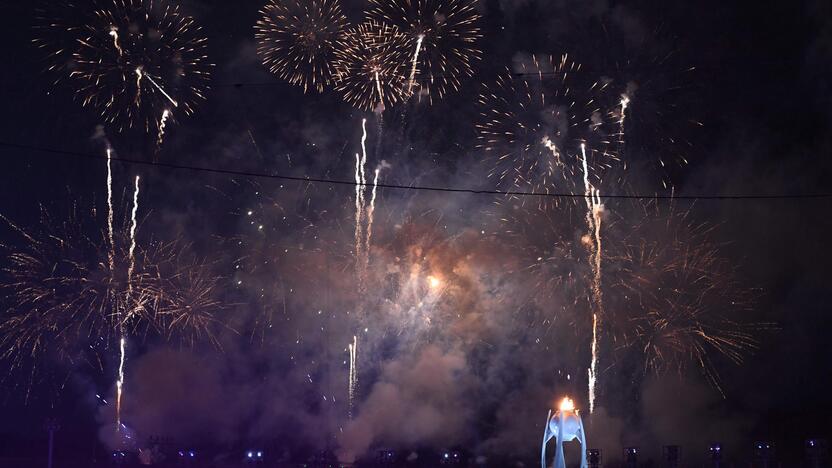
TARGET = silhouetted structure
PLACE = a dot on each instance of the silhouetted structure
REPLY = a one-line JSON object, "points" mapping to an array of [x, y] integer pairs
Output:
{"points": [[593, 458], [715, 454], [763, 454], [672, 454], [631, 457], [817, 453]]}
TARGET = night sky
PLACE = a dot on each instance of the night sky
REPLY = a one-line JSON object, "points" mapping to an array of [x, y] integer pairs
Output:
{"points": [[478, 361]]}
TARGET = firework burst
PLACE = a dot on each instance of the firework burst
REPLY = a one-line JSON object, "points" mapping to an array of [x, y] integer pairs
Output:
{"points": [[534, 124], [189, 307], [133, 61], [297, 40], [442, 35], [676, 301], [61, 301], [653, 96], [371, 66], [64, 305]]}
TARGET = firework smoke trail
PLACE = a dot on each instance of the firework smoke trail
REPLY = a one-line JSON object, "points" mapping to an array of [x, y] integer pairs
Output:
{"points": [[415, 62], [593, 220], [353, 378]]}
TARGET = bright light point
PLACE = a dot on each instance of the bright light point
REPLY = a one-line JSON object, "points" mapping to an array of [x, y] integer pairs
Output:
{"points": [[434, 282], [567, 404]]}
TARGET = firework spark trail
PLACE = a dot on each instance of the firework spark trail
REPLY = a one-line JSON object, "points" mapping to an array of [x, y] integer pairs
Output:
{"points": [[415, 62], [593, 220], [114, 34], [377, 79], [550, 145], [625, 102], [363, 155], [161, 138], [111, 258], [358, 206], [130, 269], [112, 253], [370, 217], [353, 378], [139, 76], [161, 90], [120, 382], [360, 187], [132, 251]]}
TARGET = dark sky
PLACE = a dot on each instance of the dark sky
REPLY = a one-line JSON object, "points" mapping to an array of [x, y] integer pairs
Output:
{"points": [[761, 89]]}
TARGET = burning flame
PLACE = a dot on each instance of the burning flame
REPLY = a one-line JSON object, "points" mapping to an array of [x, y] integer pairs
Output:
{"points": [[567, 404]]}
